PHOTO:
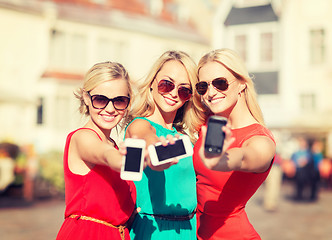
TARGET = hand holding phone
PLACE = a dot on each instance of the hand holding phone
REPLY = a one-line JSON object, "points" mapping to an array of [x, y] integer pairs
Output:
{"points": [[160, 154], [214, 139], [133, 161]]}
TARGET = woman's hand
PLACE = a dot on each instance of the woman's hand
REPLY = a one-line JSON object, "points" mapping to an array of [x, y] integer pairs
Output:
{"points": [[165, 141], [214, 162]]}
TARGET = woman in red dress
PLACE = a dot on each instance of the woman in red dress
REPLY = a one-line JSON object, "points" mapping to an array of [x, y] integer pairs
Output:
{"points": [[226, 182], [98, 201]]}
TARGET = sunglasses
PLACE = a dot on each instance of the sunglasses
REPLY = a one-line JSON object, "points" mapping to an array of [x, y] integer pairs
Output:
{"points": [[220, 84], [166, 86], [101, 101]]}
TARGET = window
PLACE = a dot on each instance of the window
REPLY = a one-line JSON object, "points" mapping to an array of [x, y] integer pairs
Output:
{"points": [[78, 56], [58, 49], [241, 46], [266, 47], [110, 50], [317, 46], [155, 6], [68, 50], [308, 102], [63, 110], [40, 106]]}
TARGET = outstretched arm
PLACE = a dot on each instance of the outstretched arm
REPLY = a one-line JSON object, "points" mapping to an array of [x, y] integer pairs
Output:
{"points": [[141, 128], [86, 149], [255, 155]]}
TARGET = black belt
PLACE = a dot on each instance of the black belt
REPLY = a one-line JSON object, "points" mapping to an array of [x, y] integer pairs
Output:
{"points": [[172, 217]]}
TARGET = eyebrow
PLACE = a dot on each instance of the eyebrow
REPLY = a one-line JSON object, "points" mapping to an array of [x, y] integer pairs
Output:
{"points": [[180, 83]]}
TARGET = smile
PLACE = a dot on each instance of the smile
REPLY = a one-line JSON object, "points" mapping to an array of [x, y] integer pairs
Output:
{"points": [[216, 100], [108, 118], [169, 101]]}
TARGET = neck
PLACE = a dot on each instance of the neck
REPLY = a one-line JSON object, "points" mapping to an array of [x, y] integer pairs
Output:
{"points": [[240, 115], [103, 133], [164, 119]]}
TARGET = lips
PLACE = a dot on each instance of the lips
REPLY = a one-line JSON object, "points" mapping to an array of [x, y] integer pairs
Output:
{"points": [[216, 100], [108, 118], [169, 101]]}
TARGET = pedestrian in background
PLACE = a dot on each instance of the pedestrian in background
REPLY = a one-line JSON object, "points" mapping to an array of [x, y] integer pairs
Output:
{"points": [[317, 158], [301, 159], [98, 202]]}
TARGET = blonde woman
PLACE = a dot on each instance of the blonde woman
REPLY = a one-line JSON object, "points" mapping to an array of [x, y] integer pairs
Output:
{"points": [[167, 198], [98, 202], [225, 183]]}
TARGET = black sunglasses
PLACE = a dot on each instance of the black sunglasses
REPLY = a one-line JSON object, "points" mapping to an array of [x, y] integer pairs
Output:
{"points": [[101, 101], [220, 84], [166, 86]]}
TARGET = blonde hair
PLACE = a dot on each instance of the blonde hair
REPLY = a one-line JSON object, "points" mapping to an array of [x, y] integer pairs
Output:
{"points": [[187, 117], [233, 62], [98, 74]]}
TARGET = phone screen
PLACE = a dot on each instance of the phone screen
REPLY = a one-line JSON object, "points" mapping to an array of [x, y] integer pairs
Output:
{"points": [[215, 136], [171, 150], [133, 159]]}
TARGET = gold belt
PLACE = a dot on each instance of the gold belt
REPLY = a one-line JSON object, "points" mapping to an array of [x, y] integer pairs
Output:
{"points": [[121, 228]]}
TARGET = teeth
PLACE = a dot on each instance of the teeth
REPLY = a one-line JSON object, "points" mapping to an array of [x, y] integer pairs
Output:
{"points": [[108, 118], [215, 100], [169, 101]]}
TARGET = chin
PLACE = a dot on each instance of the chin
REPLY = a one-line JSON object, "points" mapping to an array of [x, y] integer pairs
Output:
{"points": [[217, 110], [110, 125]]}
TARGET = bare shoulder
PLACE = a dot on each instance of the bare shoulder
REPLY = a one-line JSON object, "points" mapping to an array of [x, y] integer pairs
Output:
{"points": [[85, 138], [261, 143], [139, 126], [259, 152]]}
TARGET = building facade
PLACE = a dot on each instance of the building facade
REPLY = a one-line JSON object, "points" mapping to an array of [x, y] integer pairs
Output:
{"points": [[48, 45], [287, 46]]}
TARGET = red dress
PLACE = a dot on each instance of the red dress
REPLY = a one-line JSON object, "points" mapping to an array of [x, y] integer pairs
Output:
{"points": [[100, 194], [222, 196]]}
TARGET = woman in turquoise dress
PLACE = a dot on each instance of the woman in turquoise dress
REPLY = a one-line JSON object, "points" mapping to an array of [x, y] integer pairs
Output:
{"points": [[166, 195]]}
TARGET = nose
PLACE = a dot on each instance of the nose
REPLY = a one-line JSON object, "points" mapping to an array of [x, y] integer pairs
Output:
{"points": [[211, 91], [109, 107], [174, 92]]}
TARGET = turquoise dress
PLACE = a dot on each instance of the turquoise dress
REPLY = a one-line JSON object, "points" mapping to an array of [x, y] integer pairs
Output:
{"points": [[171, 192]]}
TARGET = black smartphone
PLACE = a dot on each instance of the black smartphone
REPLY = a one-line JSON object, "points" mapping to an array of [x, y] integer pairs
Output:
{"points": [[133, 162], [214, 140], [160, 154]]}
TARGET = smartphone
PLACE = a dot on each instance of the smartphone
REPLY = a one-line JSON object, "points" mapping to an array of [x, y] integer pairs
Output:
{"points": [[133, 161], [160, 154], [215, 136]]}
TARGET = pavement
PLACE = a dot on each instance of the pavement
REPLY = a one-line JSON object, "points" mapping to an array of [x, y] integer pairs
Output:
{"points": [[42, 219]]}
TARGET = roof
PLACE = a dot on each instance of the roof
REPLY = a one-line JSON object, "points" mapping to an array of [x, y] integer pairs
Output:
{"points": [[130, 15], [257, 14]]}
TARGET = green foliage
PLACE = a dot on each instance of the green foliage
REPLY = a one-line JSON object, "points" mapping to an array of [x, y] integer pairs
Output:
{"points": [[51, 169]]}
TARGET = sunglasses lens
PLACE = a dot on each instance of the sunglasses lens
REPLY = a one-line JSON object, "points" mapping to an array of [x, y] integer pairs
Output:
{"points": [[99, 101], [201, 88], [165, 86], [121, 103], [184, 93], [220, 84]]}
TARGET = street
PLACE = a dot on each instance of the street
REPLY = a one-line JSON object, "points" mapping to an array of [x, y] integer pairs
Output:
{"points": [[292, 221]]}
